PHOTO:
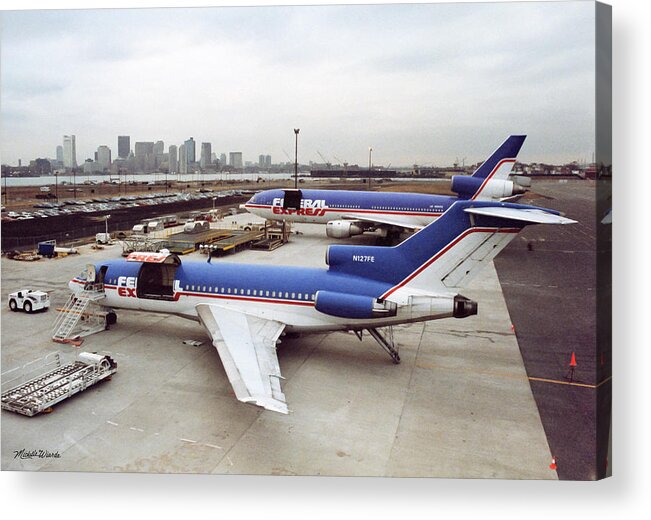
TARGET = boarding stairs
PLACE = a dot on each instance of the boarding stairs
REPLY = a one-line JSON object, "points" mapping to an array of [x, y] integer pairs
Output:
{"points": [[76, 312], [41, 393]]}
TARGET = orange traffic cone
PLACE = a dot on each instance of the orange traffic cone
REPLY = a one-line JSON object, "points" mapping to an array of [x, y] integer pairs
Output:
{"points": [[553, 464], [570, 372]]}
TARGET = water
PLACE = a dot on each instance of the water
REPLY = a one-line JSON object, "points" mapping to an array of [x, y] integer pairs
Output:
{"points": [[98, 179], [197, 177]]}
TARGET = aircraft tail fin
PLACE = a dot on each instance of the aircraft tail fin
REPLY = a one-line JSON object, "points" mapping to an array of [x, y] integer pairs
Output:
{"points": [[490, 180], [499, 164], [447, 253]]}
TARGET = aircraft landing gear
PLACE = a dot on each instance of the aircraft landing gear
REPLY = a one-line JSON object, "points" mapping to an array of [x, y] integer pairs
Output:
{"points": [[111, 319], [385, 341]]}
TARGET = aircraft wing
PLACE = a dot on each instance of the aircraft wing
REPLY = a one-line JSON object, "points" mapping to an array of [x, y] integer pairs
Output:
{"points": [[247, 347], [385, 221], [527, 215]]}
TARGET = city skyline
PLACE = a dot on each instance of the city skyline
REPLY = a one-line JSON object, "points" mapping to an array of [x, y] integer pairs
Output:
{"points": [[419, 83]]}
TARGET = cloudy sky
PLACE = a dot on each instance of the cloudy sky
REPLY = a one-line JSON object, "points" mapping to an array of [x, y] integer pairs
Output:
{"points": [[419, 83]]}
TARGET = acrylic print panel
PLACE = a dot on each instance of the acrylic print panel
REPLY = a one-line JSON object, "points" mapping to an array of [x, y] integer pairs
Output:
{"points": [[170, 195]]}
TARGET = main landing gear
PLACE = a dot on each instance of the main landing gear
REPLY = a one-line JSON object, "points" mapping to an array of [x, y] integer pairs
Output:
{"points": [[385, 341]]}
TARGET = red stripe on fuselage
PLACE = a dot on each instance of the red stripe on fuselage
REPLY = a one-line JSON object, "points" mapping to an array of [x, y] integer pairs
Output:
{"points": [[178, 295], [353, 210]]}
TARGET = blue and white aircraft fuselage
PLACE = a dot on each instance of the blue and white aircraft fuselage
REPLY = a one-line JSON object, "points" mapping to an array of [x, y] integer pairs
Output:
{"points": [[347, 213], [245, 308]]}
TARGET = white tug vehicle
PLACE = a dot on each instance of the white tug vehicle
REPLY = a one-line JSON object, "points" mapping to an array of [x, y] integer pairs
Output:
{"points": [[29, 301]]}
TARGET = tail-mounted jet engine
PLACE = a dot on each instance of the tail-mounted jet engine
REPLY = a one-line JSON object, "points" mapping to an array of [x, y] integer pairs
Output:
{"points": [[466, 187], [353, 306]]}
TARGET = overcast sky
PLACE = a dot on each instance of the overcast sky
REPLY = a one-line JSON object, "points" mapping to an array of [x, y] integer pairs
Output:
{"points": [[419, 83]]}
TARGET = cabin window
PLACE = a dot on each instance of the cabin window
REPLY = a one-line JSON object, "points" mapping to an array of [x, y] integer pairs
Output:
{"points": [[286, 295], [228, 290], [204, 288], [273, 294], [266, 293], [248, 292], [241, 291], [307, 296], [313, 297], [293, 295], [300, 296], [255, 292]]}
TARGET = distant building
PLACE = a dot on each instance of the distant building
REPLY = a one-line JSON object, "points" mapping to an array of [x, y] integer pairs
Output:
{"points": [[267, 161], [124, 146], [261, 161], [222, 160], [60, 154], [144, 156], [69, 151], [190, 151], [159, 151], [183, 159], [235, 159], [104, 157], [213, 157], [206, 152], [173, 159]]}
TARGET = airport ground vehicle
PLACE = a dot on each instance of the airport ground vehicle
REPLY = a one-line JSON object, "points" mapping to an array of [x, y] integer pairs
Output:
{"points": [[29, 301]]}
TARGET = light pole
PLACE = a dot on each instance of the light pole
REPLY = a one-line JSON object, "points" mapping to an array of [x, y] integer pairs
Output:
{"points": [[370, 154], [296, 131], [106, 217]]}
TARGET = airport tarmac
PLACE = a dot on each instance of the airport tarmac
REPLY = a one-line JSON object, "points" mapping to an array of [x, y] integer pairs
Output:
{"points": [[549, 279], [459, 404]]}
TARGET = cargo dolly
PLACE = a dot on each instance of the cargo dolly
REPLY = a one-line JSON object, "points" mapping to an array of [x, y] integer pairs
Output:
{"points": [[41, 393]]}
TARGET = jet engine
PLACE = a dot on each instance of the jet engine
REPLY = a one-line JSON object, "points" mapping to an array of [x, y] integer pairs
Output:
{"points": [[466, 187], [343, 228], [464, 307], [353, 306]]}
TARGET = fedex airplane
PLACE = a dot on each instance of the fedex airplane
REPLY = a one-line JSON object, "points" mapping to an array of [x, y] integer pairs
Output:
{"points": [[245, 308], [349, 213]]}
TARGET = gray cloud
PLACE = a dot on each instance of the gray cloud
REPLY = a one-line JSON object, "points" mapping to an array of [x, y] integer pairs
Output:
{"points": [[420, 83]]}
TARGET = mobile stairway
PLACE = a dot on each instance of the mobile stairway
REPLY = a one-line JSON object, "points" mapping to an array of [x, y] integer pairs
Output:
{"points": [[41, 393], [75, 319]]}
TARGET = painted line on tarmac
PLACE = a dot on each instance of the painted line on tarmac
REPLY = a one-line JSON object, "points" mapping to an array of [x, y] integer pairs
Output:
{"points": [[570, 383], [512, 376]]}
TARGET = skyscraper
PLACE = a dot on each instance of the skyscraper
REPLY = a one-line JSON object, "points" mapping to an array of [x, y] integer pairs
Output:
{"points": [[183, 159], [267, 161], [206, 151], [261, 161], [222, 159], [144, 156], [235, 159], [173, 159], [159, 151], [124, 146], [104, 157], [69, 151], [190, 152], [60, 154]]}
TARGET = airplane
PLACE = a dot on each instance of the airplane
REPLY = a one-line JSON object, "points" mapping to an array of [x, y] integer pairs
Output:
{"points": [[350, 213], [245, 308]]}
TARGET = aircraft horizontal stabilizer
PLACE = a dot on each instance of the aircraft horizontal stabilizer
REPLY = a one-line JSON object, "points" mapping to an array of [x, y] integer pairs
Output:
{"points": [[532, 216]]}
